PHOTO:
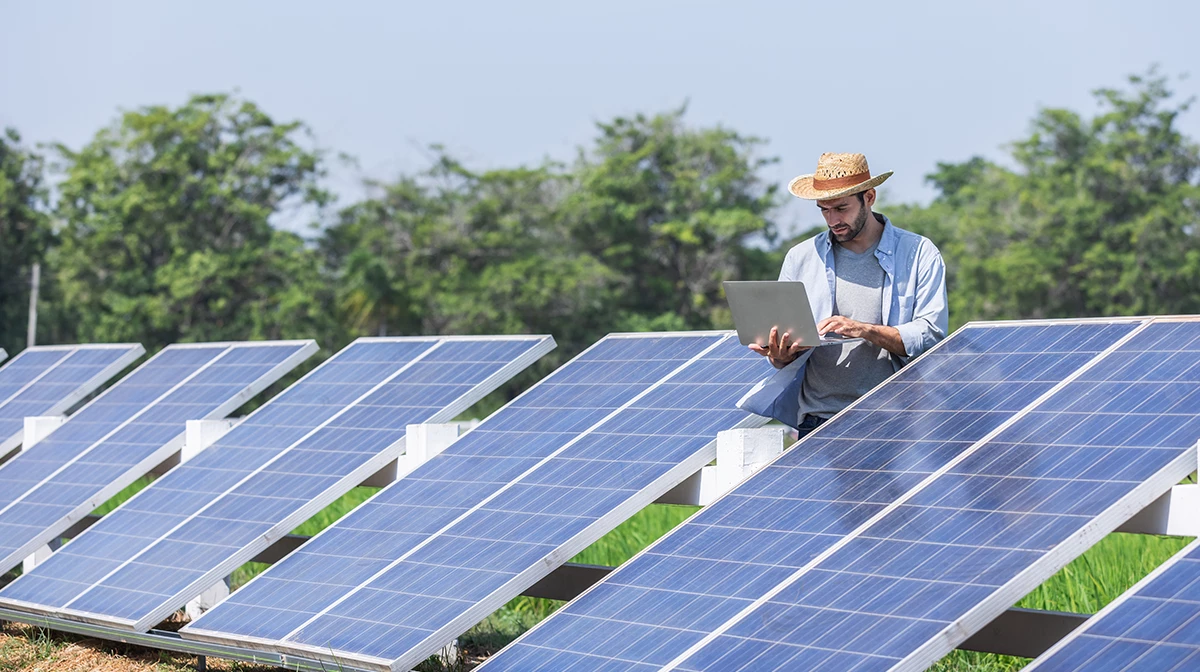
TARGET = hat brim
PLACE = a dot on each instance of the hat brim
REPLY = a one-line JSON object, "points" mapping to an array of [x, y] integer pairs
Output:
{"points": [[802, 187]]}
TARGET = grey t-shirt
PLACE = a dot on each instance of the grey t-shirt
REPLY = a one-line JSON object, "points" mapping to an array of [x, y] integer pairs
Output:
{"points": [[836, 375]]}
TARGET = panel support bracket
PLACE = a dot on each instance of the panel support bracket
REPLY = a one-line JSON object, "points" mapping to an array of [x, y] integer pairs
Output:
{"points": [[740, 454], [38, 427]]}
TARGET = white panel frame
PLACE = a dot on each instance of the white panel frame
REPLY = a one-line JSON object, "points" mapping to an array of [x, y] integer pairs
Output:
{"points": [[135, 350], [1143, 323], [1045, 567], [272, 645], [542, 345], [1098, 617], [536, 571], [305, 349]]}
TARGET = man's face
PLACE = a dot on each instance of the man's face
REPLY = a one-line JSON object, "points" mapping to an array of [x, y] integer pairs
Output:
{"points": [[845, 217]]}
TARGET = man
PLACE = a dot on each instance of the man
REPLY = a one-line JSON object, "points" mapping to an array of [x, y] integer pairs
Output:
{"points": [[866, 278]]}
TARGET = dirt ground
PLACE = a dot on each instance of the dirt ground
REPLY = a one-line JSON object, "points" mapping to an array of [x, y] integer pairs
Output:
{"points": [[25, 648]]}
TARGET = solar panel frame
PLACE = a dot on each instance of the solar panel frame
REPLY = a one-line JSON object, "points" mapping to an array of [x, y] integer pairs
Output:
{"points": [[1190, 553], [544, 344], [721, 336], [1043, 568], [1037, 572], [135, 350], [896, 504], [536, 571], [1142, 323], [304, 349]]}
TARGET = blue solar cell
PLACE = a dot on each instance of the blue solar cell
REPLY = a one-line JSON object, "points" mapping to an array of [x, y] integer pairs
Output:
{"points": [[285, 461], [952, 552], [701, 579], [126, 431], [49, 380], [1153, 626], [539, 424]]}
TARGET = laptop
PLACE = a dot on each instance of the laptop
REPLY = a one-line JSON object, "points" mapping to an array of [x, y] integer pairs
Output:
{"points": [[758, 305]]}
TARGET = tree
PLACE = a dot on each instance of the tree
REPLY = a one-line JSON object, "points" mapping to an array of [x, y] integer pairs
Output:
{"points": [[670, 210], [1102, 217], [167, 228], [24, 234], [452, 251]]}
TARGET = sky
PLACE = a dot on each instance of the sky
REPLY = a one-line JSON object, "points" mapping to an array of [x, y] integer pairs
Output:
{"points": [[508, 83]]}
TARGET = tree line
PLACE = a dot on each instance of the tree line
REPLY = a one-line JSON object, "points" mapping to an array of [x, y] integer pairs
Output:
{"points": [[163, 229]]}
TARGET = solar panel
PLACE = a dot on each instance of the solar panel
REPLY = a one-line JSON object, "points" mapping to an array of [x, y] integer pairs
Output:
{"points": [[715, 576], [126, 431], [282, 464], [49, 380], [631, 417], [1153, 626]]}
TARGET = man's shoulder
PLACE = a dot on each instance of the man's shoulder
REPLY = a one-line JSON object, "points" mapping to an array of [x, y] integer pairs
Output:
{"points": [[912, 240]]}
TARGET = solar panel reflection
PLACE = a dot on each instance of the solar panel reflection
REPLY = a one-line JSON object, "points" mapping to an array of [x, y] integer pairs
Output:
{"points": [[296, 453], [126, 431], [715, 569], [577, 429]]}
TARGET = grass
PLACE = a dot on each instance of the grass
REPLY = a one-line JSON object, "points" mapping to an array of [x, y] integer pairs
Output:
{"points": [[26, 648]]}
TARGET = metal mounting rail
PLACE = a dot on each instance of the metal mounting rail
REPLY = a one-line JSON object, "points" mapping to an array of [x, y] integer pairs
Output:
{"points": [[171, 641]]}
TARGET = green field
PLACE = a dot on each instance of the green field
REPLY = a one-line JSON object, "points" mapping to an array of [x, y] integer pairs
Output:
{"points": [[1084, 586]]}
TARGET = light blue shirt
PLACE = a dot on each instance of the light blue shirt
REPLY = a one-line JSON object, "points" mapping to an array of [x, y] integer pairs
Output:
{"points": [[914, 302]]}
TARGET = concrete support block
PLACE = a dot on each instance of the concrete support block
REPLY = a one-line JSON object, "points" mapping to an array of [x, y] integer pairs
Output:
{"points": [[1176, 513], [39, 556], [208, 599], [198, 435], [39, 427], [426, 440], [741, 452]]}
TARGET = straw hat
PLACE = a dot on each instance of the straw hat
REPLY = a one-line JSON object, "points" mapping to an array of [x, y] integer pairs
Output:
{"points": [[837, 175]]}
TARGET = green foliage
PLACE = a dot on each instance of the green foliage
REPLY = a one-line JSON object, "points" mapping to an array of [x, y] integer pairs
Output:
{"points": [[24, 234], [637, 235], [670, 210], [451, 251], [1100, 219], [167, 232]]}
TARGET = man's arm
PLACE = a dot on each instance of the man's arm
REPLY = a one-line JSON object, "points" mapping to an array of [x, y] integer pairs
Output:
{"points": [[930, 319], [931, 316], [883, 336]]}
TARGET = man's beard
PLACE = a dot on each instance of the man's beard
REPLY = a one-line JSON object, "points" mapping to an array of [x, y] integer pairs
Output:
{"points": [[859, 223]]}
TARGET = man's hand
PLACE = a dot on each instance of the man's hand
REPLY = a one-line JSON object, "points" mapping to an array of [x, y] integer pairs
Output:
{"points": [[780, 350], [887, 338]]}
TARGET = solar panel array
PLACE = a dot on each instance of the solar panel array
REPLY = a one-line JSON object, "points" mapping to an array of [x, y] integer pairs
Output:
{"points": [[286, 461], [535, 483], [1153, 626], [126, 431], [910, 520], [49, 380]]}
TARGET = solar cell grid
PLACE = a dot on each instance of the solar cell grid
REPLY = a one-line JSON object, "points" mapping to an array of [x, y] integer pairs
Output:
{"points": [[711, 572], [126, 431], [296, 453], [49, 380], [1153, 626], [506, 544], [545, 421]]}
